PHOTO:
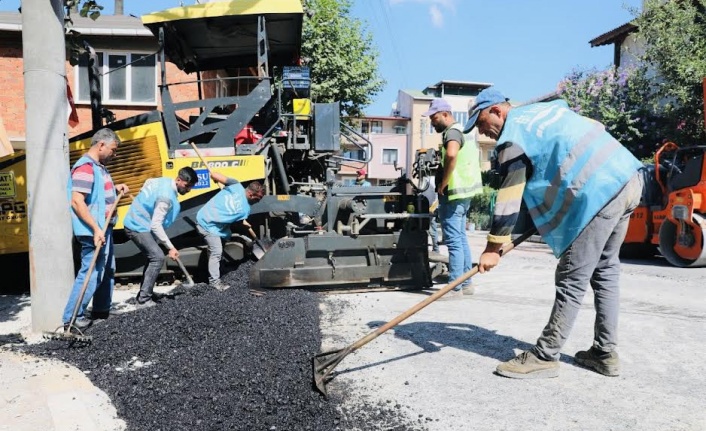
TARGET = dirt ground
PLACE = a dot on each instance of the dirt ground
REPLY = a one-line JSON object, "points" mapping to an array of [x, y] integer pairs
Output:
{"points": [[439, 363]]}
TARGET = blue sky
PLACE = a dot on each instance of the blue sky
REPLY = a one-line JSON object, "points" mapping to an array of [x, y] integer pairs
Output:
{"points": [[524, 47]]}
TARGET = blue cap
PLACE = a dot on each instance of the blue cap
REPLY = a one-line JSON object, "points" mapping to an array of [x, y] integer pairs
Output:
{"points": [[485, 99], [437, 105]]}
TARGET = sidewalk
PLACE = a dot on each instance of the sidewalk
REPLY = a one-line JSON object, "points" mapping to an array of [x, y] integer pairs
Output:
{"points": [[40, 394]]}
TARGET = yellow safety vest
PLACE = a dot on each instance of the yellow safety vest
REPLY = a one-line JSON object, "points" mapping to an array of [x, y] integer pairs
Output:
{"points": [[465, 179]]}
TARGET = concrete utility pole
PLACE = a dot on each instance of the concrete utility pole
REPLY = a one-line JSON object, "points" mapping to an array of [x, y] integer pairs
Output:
{"points": [[118, 9], [50, 257]]}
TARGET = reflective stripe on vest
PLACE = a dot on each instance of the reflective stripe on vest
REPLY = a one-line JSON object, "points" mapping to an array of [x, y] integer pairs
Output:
{"points": [[465, 180], [577, 168]]}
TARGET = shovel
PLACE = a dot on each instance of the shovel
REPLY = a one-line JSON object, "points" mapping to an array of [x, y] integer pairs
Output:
{"points": [[189, 280], [325, 362], [258, 248]]}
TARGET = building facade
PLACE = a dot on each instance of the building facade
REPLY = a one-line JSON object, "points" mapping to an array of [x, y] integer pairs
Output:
{"points": [[389, 137], [130, 72], [460, 95]]}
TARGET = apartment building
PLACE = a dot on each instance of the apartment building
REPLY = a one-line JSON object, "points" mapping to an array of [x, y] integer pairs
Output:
{"points": [[389, 137], [461, 95]]}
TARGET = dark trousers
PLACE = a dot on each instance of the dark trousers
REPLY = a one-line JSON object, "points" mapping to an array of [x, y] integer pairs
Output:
{"points": [[155, 259]]}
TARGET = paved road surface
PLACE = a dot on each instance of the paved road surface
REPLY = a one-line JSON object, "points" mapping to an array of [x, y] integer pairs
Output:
{"points": [[440, 362], [437, 367]]}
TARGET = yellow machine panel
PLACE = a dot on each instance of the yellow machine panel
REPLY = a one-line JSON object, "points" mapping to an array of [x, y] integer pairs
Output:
{"points": [[142, 154], [14, 237]]}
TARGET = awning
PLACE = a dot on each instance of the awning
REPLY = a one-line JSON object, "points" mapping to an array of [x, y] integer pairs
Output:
{"points": [[219, 35], [617, 34]]}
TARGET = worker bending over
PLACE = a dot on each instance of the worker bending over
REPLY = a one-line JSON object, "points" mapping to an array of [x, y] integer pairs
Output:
{"points": [[230, 205], [580, 186], [155, 208]]}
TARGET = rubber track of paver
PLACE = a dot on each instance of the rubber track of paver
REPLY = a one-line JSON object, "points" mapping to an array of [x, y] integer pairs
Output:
{"points": [[209, 360]]}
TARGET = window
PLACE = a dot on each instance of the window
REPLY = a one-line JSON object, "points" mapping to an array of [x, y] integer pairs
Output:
{"points": [[355, 154], [389, 156], [490, 155], [374, 126], [400, 130], [460, 117], [135, 83]]}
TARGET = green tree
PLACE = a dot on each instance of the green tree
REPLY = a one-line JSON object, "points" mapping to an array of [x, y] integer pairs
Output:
{"points": [[616, 98], [674, 33], [74, 41], [341, 55]]}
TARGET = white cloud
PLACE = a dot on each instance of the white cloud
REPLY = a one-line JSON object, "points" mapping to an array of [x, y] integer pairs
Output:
{"points": [[437, 8], [437, 17]]}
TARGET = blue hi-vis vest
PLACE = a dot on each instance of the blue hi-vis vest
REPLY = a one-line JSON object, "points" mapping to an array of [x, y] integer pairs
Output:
{"points": [[95, 201], [578, 168], [227, 207], [139, 216]]}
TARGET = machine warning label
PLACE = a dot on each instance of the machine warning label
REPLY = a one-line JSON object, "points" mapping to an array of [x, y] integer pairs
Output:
{"points": [[204, 181], [7, 185]]}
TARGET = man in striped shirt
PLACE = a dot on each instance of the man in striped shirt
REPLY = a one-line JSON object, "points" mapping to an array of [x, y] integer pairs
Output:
{"points": [[92, 194], [580, 186]]}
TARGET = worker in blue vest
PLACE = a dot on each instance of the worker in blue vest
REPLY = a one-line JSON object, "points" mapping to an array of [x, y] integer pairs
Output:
{"points": [[92, 193], [230, 205], [580, 186], [155, 208], [458, 180]]}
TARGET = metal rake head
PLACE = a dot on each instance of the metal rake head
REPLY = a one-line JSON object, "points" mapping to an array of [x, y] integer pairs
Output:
{"points": [[71, 334]]}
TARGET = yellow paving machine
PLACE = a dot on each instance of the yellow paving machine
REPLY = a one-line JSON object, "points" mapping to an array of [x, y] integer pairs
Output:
{"points": [[254, 119]]}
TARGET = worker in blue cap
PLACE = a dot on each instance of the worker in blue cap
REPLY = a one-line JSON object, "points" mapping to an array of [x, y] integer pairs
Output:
{"points": [[580, 186]]}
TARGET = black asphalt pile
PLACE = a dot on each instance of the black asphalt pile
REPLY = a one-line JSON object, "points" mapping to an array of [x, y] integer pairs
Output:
{"points": [[209, 360]]}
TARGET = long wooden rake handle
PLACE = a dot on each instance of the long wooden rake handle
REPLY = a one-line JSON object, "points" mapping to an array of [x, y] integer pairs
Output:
{"points": [[438, 294], [93, 263], [325, 362]]}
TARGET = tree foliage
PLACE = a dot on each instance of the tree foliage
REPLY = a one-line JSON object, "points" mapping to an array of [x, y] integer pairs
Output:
{"points": [[616, 98], [660, 100], [74, 41], [86, 8], [674, 34], [341, 56]]}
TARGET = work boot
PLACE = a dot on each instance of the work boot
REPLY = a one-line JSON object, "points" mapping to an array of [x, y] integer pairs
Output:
{"points": [[469, 289], [81, 323], [147, 304], [219, 285], [606, 363], [102, 315], [528, 366], [454, 294]]}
